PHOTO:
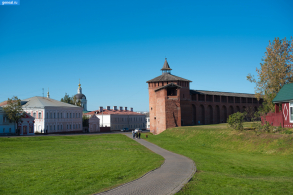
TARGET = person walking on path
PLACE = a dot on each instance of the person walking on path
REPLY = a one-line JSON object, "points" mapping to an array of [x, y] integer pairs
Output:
{"points": [[139, 133], [133, 134], [136, 133]]}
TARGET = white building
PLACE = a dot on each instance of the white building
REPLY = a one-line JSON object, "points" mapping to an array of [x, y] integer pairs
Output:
{"points": [[53, 116], [94, 124], [148, 124], [81, 97], [120, 118]]}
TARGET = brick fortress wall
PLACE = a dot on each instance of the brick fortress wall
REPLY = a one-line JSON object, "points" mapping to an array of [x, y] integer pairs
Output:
{"points": [[190, 107]]}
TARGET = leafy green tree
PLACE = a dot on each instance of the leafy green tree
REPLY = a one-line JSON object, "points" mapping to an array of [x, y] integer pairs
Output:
{"points": [[78, 103], [75, 102], [14, 110], [235, 120], [85, 121], [71, 100], [249, 113], [276, 70], [66, 99]]}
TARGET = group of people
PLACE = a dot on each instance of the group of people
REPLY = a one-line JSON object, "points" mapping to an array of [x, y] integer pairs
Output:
{"points": [[136, 134]]}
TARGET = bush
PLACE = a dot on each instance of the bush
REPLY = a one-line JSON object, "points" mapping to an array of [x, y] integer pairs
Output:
{"points": [[267, 128], [235, 120], [287, 131]]}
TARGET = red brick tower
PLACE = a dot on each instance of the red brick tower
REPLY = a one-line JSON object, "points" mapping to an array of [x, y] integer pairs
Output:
{"points": [[167, 95]]}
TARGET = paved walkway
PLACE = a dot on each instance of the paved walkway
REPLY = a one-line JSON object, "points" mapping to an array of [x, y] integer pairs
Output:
{"points": [[168, 179]]}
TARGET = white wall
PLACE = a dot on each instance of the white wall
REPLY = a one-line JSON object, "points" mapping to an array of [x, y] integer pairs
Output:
{"points": [[104, 120], [52, 123], [148, 124]]}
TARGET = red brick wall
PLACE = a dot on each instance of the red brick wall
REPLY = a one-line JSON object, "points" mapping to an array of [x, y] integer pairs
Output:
{"points": [[173, 110], [166, 112], [160, 111], [186, 112], [152, 108]]}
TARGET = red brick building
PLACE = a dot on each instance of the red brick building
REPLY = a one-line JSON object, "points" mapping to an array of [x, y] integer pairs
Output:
{"points": [[173, 104]]}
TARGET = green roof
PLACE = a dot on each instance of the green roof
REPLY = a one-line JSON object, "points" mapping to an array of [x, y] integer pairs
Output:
{"points": [[285, 94]]}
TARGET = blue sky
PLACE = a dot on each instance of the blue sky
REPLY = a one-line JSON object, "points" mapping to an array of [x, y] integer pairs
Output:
{"points": [[114, 47]]}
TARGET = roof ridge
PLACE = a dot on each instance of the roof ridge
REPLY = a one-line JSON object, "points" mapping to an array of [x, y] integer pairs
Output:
{"points": [[167, 77], [222, 92]]}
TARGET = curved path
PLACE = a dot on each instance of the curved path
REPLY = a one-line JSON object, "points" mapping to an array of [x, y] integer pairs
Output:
{"points": [[168, 179]]}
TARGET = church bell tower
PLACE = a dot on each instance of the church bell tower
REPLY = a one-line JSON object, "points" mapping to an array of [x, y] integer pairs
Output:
{"points": [[81, 97]]}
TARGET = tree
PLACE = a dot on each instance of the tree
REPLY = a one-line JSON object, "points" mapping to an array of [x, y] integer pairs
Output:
{"points": [[70, 100], [276, 70], [66, 99], [249, 113], [235, 120], [14, 110], [78, 103], [85, 121], [75, 102]]}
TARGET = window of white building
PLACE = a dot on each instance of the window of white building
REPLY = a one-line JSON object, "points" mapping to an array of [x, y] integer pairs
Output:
{"points": [[70, 126], [61, 127], [73, 115], [51, 115], [34, 115], [40, 115], [61, 115]]}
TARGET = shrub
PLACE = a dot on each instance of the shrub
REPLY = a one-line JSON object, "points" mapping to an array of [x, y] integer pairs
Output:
{"points": [[267, 128], [235, 120]]}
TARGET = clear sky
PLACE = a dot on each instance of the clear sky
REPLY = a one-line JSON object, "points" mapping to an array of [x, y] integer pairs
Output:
{"points": [[114, 47]]}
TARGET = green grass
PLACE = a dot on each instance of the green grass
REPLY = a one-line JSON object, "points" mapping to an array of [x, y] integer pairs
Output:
{"points": [[71, 164], [231, 162]]}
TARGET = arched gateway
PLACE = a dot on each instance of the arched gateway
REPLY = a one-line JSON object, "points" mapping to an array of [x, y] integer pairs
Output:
{"points": [[172, 103]]}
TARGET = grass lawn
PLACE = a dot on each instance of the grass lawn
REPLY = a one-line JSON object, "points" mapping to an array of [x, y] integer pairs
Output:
{"points": [[232, 162], [49, 165]]}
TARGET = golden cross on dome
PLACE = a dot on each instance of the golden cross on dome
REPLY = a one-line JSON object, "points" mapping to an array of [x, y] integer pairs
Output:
{"points": [[79, 83]]}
